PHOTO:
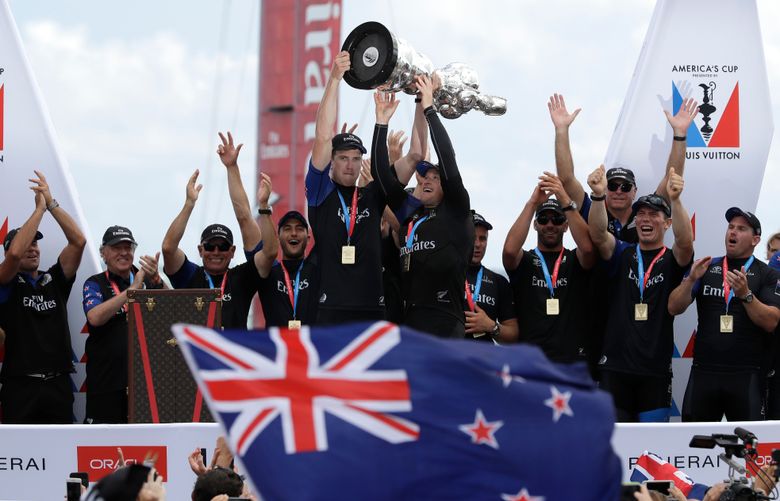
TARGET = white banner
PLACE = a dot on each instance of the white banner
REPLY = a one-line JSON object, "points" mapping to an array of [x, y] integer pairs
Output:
{"points": [[36, 460], [27, 142], [710, 50]]}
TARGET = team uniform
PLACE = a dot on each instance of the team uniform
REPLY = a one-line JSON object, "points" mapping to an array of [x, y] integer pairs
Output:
{"points": [[36, 386], [289, 292], [345, 222], [731, 353], [391, 280], [639, 339], [492, 293], [561, 335], [436, 243]]}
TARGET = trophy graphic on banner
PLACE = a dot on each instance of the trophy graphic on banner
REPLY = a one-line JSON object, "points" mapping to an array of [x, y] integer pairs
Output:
{"points": [[707, 109], [380, 60]]}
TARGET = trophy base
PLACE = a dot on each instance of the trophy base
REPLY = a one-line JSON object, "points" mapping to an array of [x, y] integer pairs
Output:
{"points": [[373, 53]]}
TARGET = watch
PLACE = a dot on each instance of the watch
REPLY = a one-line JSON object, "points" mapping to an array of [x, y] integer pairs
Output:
{"points": [[748, 297], [267, 211], [598, 198], [572, 206], [496, 330]]}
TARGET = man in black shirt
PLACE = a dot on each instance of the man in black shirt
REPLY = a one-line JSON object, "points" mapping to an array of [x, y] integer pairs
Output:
{"points": [[550, 282], [491, 311], [639, 339], [216, 249], [33, 312], [773, 376], [105, 305], [738, 304], [288, 287]]}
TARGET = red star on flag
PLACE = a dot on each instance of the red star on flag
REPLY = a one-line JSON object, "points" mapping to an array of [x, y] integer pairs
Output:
{"points": [[521, 496], [481, 430], [507, 377], [559, 403]]}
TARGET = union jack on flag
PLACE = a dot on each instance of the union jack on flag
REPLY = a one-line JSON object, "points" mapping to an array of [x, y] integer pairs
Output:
{"points": [[377, 411]]}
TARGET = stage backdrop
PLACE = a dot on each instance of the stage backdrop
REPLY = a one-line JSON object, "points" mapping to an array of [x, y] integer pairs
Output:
{"points": [[27, 142], [710, 50]]}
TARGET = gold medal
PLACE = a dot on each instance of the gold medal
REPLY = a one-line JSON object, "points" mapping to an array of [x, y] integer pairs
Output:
{"points": [[294, 324], [726, 323], [553, 308], [348, 254], [640, 312]]}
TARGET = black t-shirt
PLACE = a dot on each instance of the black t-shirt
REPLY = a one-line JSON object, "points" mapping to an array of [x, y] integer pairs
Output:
{"points": [[749, 345], [495, 296], [346, 286], [34, 316], [640, 346], [240, 287], [274, 295], [391, 279], [561, 336]]}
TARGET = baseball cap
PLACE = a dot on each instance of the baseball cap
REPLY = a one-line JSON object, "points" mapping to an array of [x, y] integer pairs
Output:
{"points": [[655, 202], [216, 231], [751, 218], [293, 214], [621, 173], [347, 141], [116, 234], [774, 262], [423, 167], [11, 234], [480, 221], [550, 204]]}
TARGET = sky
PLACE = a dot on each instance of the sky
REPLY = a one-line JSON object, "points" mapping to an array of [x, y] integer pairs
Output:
{"points": [[138, 90]]}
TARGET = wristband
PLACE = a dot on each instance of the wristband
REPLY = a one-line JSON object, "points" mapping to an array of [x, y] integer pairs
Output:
{"points": [[680, 138], [54, 205], [418, 100], [598, 198], [266, 212]]}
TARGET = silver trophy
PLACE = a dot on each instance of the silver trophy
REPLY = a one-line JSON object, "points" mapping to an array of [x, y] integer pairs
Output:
{"points": [[380, 60]]}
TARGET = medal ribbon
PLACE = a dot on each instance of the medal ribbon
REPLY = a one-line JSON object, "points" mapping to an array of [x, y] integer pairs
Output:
{"points": [[411, 230], [211, 282], [728, 294], [292, 292], [115, 287], [551, 281], [641, 270], [349, 219], [472, 298]]}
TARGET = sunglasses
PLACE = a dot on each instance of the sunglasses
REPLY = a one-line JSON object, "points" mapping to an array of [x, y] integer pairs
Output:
{"points": [[624, 187], [222, 246], [556, 220]]}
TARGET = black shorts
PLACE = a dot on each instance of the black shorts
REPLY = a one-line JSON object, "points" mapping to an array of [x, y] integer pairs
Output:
{"points": [[773, 395], [712, 393], [31, 400], [636, 394], [107, 408]]}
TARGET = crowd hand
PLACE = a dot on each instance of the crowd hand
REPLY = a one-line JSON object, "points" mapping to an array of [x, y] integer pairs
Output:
{"points": [[386, 104], [41, 187], [676, 494], [341, 65], [560, 116], [643, 494], [365, 173], [196, 463], [395, 145], [228, 151], [149, 264], [351, 129], [765, 482], [684, 116], [121, 457], [674, 185], [221, 497], [551, 183], [193, 188], [153, 489], [222, 455], [597, 180], [714, 492], [738, 282], [425, 89], [264, 191], [478, 321]]}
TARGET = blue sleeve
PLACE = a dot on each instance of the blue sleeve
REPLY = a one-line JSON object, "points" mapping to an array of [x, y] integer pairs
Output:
{"points": [[182, 277], [92, 295], [614, 262], [318, 185], [407, 208], [249, 255], [585, 207], [5, 291]]}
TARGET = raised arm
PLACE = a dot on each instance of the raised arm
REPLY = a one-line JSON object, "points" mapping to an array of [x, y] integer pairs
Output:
{"points": [[70, 257], [602, 239], [385, 105], [228, 154], [586, 252], [681, 222], [326, 113], [418, 148], [682, 295], [15, 253], [265, 258], [515, 239], [680, 123], [564, 163], [173, 256]]}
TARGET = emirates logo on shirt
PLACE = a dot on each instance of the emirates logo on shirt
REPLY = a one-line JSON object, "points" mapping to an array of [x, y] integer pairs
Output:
{"points": [[38, 303], [650, 281]]}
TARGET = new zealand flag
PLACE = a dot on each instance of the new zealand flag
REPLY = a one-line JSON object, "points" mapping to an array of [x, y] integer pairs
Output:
{"points": [[377, 411]]}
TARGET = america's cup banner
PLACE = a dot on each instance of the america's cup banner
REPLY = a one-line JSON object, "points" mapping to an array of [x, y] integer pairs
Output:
{"points": [[710, 50], [27, 142]]}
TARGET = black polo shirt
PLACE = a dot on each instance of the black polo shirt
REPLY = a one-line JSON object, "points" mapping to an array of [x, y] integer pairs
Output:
{"points": [[495, 296]]}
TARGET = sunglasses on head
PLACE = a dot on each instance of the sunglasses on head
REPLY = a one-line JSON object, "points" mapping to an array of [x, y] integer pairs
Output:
{"points": [[625, 187], [557, 220], [222, 246]]}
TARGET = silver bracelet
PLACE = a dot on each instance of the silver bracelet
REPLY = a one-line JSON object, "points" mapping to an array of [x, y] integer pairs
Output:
{"points": [[54, 205]]}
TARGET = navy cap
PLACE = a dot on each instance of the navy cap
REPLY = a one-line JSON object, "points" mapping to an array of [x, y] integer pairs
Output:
{"points": [[655, 202], [550, 204], [11, 234], [423, 167], [347, 141], [293, 214], [481, 221], [216, 231], [117, 234], [621, 173], [751, 218]]}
